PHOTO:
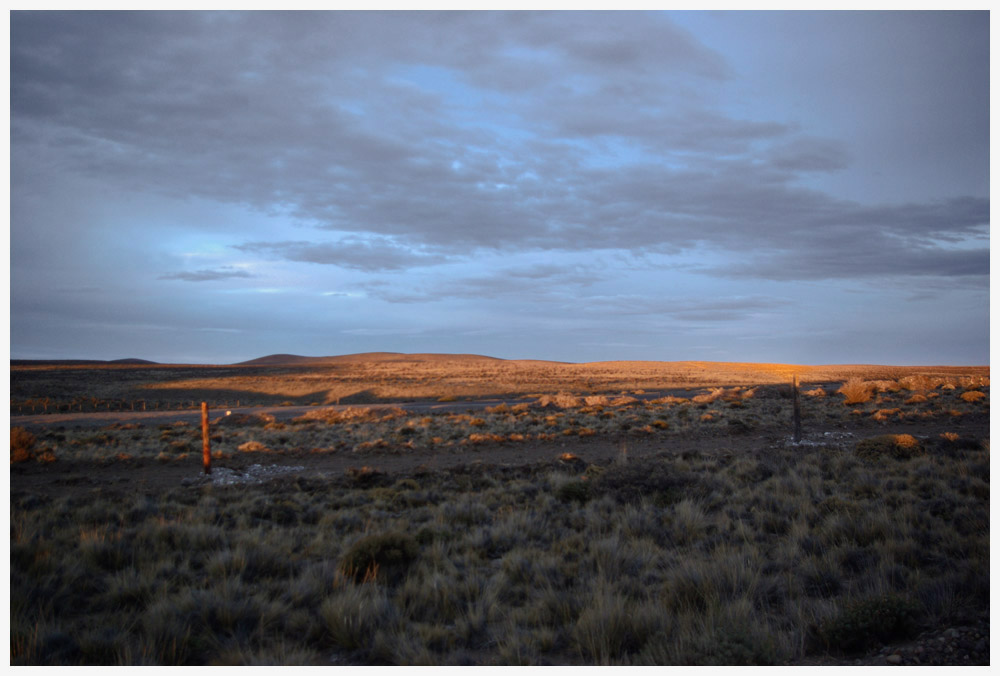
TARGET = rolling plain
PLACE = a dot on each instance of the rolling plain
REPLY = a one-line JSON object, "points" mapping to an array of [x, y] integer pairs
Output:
{"points": [[456, 509]]}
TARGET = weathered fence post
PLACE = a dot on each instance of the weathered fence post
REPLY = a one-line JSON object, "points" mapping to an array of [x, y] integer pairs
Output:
{"points": [[206, 448], [796, 412]]}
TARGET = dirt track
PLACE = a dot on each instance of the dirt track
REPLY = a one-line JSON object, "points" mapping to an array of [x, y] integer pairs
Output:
{"points": [[61, 477]]}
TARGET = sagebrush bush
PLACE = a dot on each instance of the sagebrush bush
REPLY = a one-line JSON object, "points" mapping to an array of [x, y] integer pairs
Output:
{"points": [[384, 557], [870, 622]]}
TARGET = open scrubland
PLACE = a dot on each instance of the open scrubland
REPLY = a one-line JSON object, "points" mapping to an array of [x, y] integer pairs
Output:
{"points": [[385, 377], [575, 525]]}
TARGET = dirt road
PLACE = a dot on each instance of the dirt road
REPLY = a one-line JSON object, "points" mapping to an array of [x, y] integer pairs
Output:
{"points": [[194, 415]]}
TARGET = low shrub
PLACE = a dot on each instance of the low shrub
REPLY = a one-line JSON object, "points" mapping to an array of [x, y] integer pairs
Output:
{"points": [[240, 420], [578, 491], [899, 446], [972, 396], [22, 444], [870, 622], [649, 478], [383, 557]]}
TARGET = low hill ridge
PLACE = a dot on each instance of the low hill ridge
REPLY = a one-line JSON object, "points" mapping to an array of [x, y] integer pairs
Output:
{"points": [[299, 360]]}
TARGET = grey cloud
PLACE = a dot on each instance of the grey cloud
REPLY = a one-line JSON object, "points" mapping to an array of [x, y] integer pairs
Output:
{"points": [[528, 284], [857, 263], [809, 154], [208, 275], [367, 255], [325, 117], [684, 309]]}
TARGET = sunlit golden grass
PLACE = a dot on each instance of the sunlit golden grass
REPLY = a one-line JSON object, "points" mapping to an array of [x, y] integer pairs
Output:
{"points": [[365, 379], [856, 391]]}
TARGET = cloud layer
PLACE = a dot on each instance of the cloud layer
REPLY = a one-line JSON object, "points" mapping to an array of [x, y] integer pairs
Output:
{"points": [[394, 142]]}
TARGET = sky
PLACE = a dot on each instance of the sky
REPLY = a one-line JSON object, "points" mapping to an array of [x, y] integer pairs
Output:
{"points": [[794, 187]]}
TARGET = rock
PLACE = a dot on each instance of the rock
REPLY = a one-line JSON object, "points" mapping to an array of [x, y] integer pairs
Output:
{"points": [[895, 658]]}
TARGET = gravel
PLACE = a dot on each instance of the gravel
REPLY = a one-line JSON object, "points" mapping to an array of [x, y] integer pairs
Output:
{"points": [[254, 474]]}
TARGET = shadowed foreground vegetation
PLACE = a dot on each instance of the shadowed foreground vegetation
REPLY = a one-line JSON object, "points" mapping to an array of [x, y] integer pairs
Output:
{"points": [[759, 556]]}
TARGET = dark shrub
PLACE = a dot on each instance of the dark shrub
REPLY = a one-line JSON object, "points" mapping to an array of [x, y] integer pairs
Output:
{"points": [[650, 478], [384, 557], [721, 646], [366, 477], [868, 623], [245, 420], [574, 490], [899, 446]]}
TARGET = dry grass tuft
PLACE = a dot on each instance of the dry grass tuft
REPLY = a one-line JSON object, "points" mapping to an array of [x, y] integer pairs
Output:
{"points": [[884, 414], [856, 391], [253, 447], [973, 396], [561, 400]]}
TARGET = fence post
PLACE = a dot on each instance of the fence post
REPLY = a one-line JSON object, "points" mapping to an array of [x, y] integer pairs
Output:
{"points": [[206, 449], [796, 412]]}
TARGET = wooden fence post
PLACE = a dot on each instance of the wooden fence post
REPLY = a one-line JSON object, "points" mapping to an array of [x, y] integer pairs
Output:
{"points": [[796, 412], [206, 448]]}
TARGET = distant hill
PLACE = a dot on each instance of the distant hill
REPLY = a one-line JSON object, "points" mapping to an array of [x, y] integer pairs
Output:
{"points": [[278, 360], [299, 360], [81, 362]]}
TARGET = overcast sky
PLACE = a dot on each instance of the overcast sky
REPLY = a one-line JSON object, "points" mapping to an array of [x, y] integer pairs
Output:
{"points": [[779, 187]]}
